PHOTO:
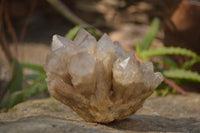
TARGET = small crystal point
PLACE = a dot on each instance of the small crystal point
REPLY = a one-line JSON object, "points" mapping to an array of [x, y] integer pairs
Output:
{"points": [[120, 52], [59, 41], [157, 79], [105, 43], [124, 63], [85, 42], [83, 36]]}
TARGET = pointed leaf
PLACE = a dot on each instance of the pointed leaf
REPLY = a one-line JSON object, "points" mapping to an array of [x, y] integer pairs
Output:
{"points": [[182, 74], [17, 77], [33, 67], [73, 32], [151, 34], [168, 51], [33, 89], [15, 98]]}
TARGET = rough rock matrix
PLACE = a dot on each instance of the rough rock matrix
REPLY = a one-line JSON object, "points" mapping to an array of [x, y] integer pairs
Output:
{"points": [[100, 81]]}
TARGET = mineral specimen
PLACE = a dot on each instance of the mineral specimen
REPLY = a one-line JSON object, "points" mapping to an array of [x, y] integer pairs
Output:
{"points": [[100, 81]]}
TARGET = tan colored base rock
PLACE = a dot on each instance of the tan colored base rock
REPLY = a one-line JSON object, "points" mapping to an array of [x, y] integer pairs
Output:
{"points": [[173, 113]]}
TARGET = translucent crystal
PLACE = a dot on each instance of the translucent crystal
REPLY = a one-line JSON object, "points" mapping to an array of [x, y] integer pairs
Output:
{"points": [[82, 71], [100, 81], [105, 55], [59, 41], [62, 50], [120, 52], [85, 42]]}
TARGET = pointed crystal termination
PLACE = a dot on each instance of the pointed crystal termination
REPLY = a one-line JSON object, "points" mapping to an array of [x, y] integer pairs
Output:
{"points": [[85, 42], [59, 41], [100, 81]]}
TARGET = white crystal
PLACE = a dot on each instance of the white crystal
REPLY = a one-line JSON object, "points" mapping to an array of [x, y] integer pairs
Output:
{"points": [[82, 71], [124, 63], [120, 52], [59, 41], [85, 42], [157, 79], [105, 55], [100, 81]]}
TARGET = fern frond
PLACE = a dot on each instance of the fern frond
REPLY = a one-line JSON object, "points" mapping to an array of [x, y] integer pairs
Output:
{"points": [[168, 51], [182, 74]]}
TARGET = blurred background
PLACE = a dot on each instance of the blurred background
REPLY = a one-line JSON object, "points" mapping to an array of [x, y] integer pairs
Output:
{"points": [[27, 27], [180, 19]]}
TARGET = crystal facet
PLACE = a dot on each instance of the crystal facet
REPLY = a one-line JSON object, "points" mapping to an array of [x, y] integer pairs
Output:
{"points": [[100, 81]]}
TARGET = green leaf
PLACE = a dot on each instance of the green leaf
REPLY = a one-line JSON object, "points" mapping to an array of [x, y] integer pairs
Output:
{"points": [[15, 98], [168, 51], [137, 47], [36, 89], [17, 77], [33, 88], [31, 76], [92, 30], [182, 74], [190, 63], [73, 32], [33, 67], [151, 34], [170, 62]]}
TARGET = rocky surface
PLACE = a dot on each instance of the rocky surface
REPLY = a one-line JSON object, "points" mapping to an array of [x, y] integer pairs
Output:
{"points": [[174, 113]]}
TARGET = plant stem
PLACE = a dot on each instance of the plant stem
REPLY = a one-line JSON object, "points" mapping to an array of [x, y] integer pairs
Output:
{"points": [[3, 41], [175, 86], [23, 32], [64, 10], [9, 25]]}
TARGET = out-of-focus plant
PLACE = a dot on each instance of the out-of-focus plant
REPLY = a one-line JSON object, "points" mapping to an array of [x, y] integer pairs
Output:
{"points": [[174, 74], [93, 31], [23, 86]]}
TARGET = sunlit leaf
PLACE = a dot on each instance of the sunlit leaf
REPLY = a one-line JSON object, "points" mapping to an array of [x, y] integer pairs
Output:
{"points": [[73, 32], [182, 74], [168, 51], [151, 34], [33, 67]]}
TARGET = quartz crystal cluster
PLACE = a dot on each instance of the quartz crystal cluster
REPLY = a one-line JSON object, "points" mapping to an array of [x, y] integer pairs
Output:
{"points": [[99, 80]]}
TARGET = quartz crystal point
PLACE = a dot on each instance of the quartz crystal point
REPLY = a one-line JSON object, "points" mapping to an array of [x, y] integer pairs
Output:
{"points": [[100, 81]]}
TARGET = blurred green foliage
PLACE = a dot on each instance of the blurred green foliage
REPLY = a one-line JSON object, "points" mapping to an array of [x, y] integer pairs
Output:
{"points": [[24, 86], [73, 32], [178, 74]]}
